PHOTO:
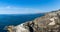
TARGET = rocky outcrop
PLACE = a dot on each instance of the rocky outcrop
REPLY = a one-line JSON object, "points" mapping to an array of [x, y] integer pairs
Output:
{"points": [[48, 23]]}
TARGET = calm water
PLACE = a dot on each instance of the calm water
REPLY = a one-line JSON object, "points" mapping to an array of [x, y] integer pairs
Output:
{"points": [[15, 19]]}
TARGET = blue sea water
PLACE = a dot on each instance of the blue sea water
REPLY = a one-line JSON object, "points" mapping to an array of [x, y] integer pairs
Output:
{"points": [[15, 19]]}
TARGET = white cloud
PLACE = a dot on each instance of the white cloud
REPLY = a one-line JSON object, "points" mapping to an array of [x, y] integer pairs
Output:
{"points": [[8, 7], [16, 10]]}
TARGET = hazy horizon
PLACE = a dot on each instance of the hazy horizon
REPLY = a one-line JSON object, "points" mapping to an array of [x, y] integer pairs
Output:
{"points": [[28, 6]]}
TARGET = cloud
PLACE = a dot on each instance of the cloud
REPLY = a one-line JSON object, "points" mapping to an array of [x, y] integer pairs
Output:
{"points": [[18, 10], [8, 7]]}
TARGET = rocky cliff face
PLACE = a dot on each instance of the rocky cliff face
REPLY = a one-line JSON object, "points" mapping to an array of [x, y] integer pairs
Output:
{"points": [[48, 23]]}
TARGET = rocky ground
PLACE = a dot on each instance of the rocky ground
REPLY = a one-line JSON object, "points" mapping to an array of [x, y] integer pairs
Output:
{"points": [[48, 23]]}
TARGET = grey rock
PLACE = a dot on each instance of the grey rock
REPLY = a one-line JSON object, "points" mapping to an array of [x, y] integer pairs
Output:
{"points": [[48, 23]]}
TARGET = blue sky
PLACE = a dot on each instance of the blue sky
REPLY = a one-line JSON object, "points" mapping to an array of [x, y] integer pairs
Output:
{"points": [[28, 6]]}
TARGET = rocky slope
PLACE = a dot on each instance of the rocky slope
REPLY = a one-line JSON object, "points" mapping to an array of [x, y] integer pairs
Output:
{"points": [[48, 23]]}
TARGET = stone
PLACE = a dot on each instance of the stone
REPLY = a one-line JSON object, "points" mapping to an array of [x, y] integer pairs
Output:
{"points": [[48, 23]]}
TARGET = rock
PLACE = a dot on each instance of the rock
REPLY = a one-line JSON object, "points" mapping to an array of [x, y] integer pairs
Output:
{"points": [[48, 23]]}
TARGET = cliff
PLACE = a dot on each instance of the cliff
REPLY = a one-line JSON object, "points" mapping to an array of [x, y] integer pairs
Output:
{"points": [[50, 22]]}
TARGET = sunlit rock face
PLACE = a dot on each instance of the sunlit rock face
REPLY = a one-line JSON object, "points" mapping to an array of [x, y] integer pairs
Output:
{"points": [[53, 21], [21, 28], [18, 28], [48, 23]]}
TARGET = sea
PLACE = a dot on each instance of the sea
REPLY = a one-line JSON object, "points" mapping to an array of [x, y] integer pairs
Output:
{"points": [[16, 19]]}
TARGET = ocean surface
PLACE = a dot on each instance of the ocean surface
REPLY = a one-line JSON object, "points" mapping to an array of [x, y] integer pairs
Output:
{"points": [[15, 19]]}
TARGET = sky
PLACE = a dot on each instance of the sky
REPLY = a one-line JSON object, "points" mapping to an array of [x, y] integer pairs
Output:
{"points": [[28, 6]]}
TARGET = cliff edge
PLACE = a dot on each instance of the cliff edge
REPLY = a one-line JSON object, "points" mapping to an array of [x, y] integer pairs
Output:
{"points": [[50, 22]]}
